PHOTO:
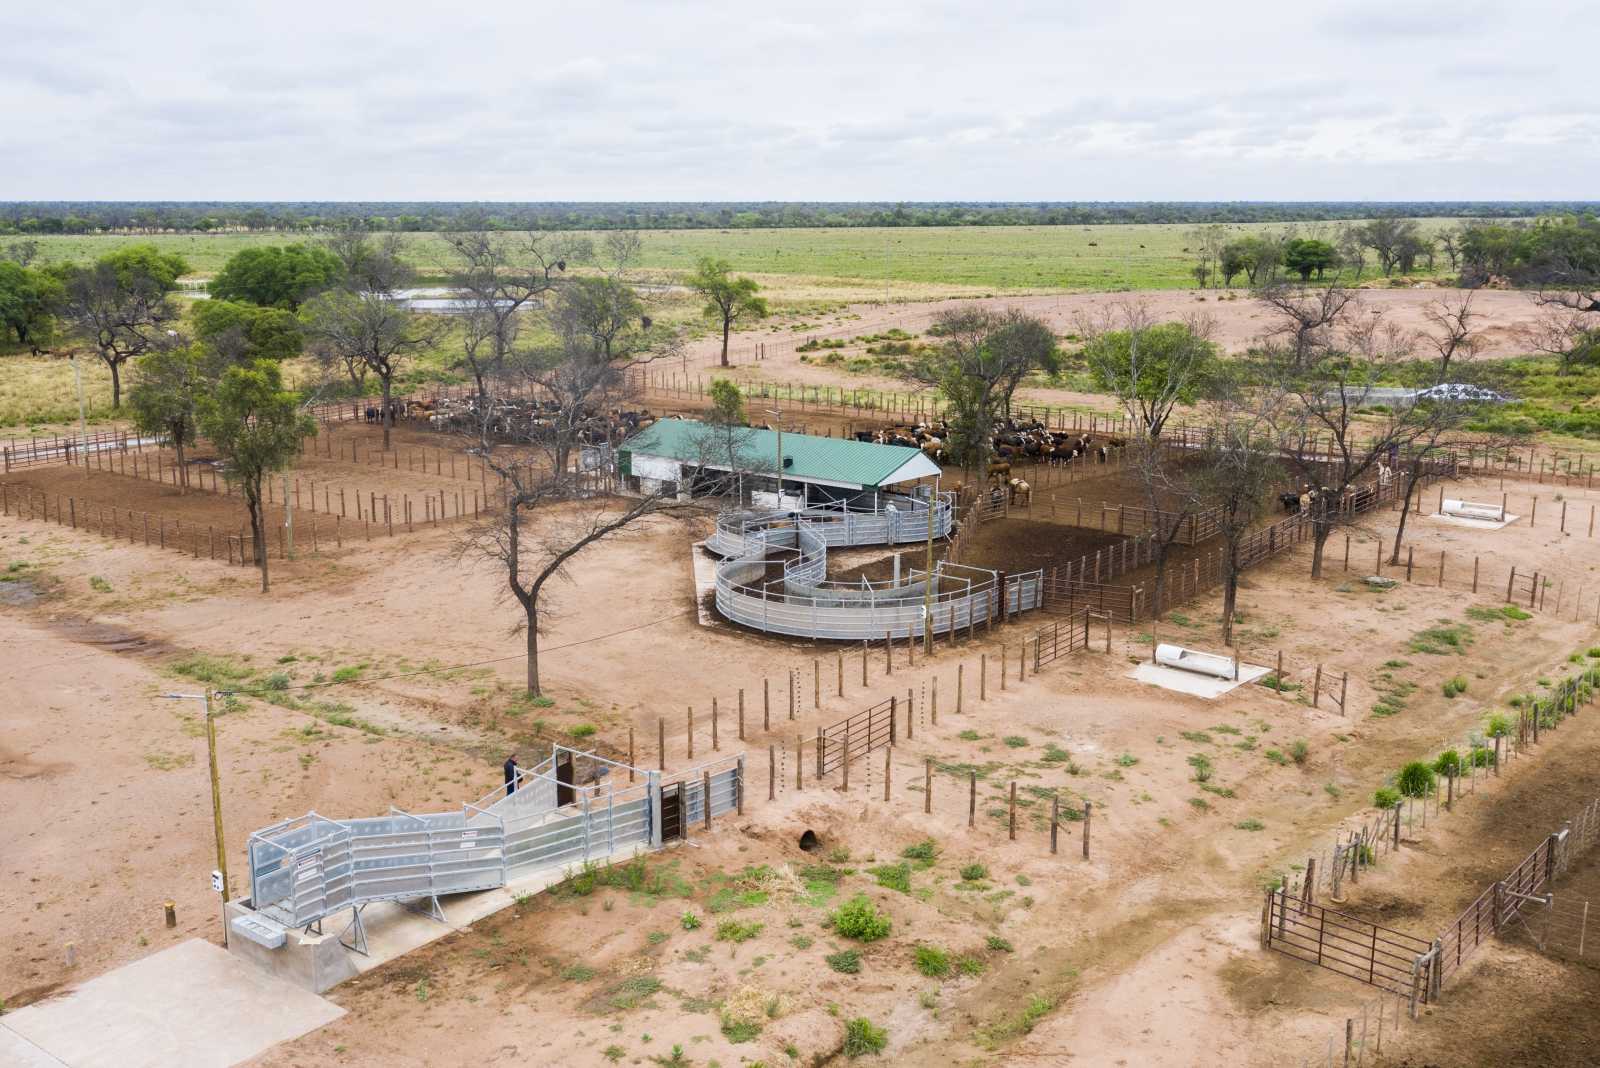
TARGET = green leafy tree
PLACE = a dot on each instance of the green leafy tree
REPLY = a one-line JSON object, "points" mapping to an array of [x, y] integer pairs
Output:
{"points": [[982, 355], [728, 299], [727, 402], [166, 397], [256, 426], [121, 305], [1150, 367], [29, 300], [1308, 256], [243, 333], [276, 276]]}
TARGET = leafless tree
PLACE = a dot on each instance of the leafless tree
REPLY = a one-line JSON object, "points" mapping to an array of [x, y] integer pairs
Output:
{"points": [[1306, 318], [500, 276], [1569, 334], [366, 321], [1324, 442], [1452, 335], [538, 526], [1352, 248], [1449, 241], [1232, 477]]}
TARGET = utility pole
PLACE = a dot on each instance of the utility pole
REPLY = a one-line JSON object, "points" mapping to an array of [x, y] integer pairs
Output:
{"points": [[216, 794], [83, 418], [777, 423], [288, 520]]}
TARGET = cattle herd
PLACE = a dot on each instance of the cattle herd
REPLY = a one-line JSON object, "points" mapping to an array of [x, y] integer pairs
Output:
{"points": [[517, 419], [1011, 442]]}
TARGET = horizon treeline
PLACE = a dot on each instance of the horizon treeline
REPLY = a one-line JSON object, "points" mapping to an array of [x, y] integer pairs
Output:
{"points": [[89, 217]]}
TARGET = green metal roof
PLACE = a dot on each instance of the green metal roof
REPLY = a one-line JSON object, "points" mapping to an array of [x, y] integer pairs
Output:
{"points": [[839, 461]]}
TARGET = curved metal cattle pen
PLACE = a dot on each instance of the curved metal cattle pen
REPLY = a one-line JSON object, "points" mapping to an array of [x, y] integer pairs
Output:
{"points": [[803, 603]]}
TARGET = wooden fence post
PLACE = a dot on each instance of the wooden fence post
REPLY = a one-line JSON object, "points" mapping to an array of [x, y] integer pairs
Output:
{"points": [[772, 772], [741, 713], [983, 676], [1088, 812], [1011, 813], [766, 705], [716, 742], [661, 742], [961, 671], [1055, 820], [887, 771], [1316, 688], [927, 785], [691, 733]]}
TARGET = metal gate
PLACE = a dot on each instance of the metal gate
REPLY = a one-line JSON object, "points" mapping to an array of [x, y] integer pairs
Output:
{"points": [[672, 812], [1378, 956]]}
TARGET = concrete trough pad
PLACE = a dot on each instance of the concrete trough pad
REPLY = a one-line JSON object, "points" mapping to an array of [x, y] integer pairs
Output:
{"points": [[193, 1005], [1192, 683]]}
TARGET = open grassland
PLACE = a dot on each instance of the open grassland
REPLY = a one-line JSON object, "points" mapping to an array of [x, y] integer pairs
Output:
{"points": [[948, 259]]}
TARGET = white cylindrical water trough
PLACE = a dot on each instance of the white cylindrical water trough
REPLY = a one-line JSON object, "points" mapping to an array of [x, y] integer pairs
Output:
{"points": [[1473, 510], [1176, 656]]}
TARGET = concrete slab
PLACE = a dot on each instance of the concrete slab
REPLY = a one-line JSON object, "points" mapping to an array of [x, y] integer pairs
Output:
{"points": [[193, 1005], [394, 930], [1192, 683], [705, 581], [1477, 524], [18, 1052]]}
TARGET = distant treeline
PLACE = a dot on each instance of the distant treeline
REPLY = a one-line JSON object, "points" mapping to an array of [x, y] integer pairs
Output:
{"points": [[88, 217]]}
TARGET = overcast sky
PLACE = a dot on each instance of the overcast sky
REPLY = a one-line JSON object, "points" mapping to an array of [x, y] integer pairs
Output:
{"points": [[868, 100]]}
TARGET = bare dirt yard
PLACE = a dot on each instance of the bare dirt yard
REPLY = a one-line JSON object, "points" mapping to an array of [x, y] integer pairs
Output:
{"points": [[387, 673]]}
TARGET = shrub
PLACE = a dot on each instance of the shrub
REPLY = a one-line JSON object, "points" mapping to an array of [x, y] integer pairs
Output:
{"points": [[583, 730], [1299, 751], [1454, 686], [893, 877], [1448, 763], [1386, 797], [1054, 754], [346, 674], [924, 850], [861, 1037], [1202, 767], [99, 585], [689, 921], [1276, 756], [932, 961], [846, 961], [734, 931], [969, 735], [1481, 756], [973, 872], [967, 964], [737, 1031], [861, 920], [1499, 726], [1197, 737], [998, 944], [1127, 760], [1415, 779], [1250, 825], [1016, 741]]}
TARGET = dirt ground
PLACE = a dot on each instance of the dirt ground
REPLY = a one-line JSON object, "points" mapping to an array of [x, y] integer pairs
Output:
{"points": [[1144, 954]]}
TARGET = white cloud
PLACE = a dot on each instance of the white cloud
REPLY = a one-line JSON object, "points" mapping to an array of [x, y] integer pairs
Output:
{"points": [[840, 101]]}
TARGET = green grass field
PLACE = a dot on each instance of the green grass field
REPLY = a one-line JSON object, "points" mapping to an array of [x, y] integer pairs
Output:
{"points": [[983, 257]]}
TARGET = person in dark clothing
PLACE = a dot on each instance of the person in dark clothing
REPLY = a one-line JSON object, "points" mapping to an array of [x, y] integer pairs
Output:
{"points": [[511, 774]]}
